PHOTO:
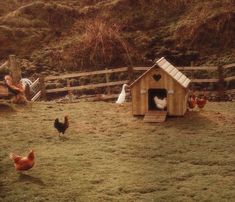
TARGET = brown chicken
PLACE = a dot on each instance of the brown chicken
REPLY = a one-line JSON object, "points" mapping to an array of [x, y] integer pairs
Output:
{"points": [[23, 163], [192, 101], [201, 102], [61, 127]]}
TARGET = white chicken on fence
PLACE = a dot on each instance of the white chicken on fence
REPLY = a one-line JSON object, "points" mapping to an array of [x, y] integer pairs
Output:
{"points": [[25, 82], [160, 103], [122, 95]]}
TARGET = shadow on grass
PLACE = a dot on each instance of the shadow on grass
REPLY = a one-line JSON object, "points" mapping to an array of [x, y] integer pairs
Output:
{"points": [[191, 119], [63, 138], [27, 178], [6, 108]]}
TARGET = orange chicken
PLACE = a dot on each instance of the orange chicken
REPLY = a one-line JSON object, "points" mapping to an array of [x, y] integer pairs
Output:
{"points": [[23, 163], [192, 101], [201, 102]]}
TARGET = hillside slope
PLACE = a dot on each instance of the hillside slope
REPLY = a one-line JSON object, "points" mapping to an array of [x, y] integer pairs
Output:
{"points": [[70, 35]]}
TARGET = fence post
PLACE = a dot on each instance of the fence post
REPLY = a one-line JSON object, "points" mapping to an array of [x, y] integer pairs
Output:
{"points": [[69, 91], [192, 75], [14, 69], [221, 82], [42, 87], [130, 73], [107, 81]]}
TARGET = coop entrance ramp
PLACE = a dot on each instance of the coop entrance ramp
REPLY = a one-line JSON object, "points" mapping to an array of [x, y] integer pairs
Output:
{"points": [[155, 116]]}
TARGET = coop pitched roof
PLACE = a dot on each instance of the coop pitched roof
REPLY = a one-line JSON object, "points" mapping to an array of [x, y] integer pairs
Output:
{"points": [[170, 70]]}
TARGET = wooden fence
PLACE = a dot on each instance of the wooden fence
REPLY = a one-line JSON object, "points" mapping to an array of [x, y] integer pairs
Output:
{"points": [[39, 86], [132, 73], [36, 90]]}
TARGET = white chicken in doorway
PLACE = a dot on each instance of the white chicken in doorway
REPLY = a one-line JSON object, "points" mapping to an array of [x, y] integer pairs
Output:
{"points": [[160, 103]]}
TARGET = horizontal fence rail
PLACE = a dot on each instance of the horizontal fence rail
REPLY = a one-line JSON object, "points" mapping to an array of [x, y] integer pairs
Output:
{"points": [[186, 68], [211, 68], [229, 66], [204, 80], [67, 76], [87, 87], [231, 78]]}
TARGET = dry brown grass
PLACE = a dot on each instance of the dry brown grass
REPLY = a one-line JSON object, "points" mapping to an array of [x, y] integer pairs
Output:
{"points": [[30, 26], [57, 16], [8, 6], [90, 44], [196, 28], [101, 44], [43, 31], [109, 155]]}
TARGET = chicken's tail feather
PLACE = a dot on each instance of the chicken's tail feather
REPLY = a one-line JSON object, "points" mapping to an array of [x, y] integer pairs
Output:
{"points": [[31, 154], [66, 121]]}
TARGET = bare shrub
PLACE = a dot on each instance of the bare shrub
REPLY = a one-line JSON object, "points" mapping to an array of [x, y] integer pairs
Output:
{"points": [[101, 44], [208, 18]]}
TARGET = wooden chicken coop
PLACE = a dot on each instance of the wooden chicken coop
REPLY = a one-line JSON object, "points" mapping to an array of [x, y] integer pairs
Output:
{"points": [[164, 81]]}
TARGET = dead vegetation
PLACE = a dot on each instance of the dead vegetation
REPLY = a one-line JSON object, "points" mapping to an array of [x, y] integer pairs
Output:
{"points": [[216, 18], [67, 35], [31, 26], [100, 45]]}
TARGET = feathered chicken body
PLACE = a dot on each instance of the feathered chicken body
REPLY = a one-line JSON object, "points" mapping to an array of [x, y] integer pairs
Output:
{"points": [[160, 103], [192, 101], [61, 127], [122, 95], [201, 102], [23, 163], [26, 81]]}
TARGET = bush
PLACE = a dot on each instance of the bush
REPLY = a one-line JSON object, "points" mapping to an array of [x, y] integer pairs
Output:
{"points": [[100, 45]]}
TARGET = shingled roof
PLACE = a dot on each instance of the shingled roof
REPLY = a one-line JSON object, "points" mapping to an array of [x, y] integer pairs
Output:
{"points": [[170, 70]]}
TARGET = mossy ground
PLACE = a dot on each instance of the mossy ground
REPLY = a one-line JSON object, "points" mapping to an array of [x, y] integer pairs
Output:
{"points": [[109, 155]]}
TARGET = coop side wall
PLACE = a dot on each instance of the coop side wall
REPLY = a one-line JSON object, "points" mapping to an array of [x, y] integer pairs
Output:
{"points": [[177, 101], [176, 97], [139, 100]]}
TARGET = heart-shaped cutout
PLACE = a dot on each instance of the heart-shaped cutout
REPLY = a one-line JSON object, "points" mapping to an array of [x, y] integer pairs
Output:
{"points": [[157, 77]]}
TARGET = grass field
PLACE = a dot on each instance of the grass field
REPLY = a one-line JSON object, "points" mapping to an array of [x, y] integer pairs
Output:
{"points": [[109, 155]]}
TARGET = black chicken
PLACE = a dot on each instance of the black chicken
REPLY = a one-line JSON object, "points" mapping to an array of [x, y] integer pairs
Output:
{"points": [[61, 127]]}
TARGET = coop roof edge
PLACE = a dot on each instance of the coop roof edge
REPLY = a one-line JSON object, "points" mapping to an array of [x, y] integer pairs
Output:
{"points": [[184, 83]]}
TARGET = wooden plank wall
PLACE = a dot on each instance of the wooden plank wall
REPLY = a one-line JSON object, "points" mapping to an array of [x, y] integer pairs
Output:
{"points": [[175, 101]]}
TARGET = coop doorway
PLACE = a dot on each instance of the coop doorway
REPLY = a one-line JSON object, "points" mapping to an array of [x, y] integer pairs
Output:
{"points": [[160, 93]]}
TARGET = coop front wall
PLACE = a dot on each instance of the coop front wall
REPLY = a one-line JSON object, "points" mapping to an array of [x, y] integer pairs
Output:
{"points": [[176, 97]]}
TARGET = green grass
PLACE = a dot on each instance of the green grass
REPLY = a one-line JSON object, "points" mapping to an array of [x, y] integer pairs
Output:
{"points": [[109, 155]]}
